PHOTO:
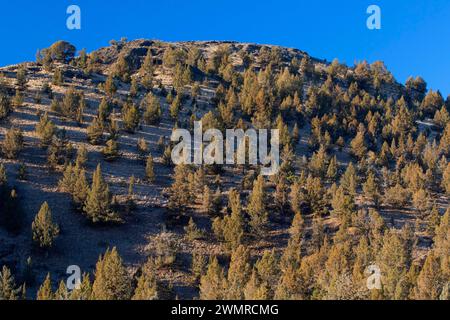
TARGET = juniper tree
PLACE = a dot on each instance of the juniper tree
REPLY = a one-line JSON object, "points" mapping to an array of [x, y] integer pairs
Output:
{"points": [[81, 189], [97, 206], [58, 77], [149, 169], [254, 289], [110, 86], [21, 77], [17, 101], [238, 274], [84, 291], [231, 228], [175, 107], [5, 106], [8, 289], [130, 117], [147, 288], [62, 293], [122, 69], [3, 177], [212, 283], [112, 281], [430, 282], [111, 150], [371, 189], [134, 88], [82, 156], [207, 205], [104, 111], [281, 195], [45, 231], [257, 208], [180, 192], [152, 107], [13, 143], [45, 291], [349, 180], [192, 231], [198, 265], [45, 130], [95, 131]]}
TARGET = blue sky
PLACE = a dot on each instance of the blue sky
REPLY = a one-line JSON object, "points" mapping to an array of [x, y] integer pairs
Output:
{"points": [[414, 39]]}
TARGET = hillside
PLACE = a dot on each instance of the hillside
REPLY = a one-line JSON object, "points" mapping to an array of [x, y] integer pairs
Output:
{"points": [[364, 177]]}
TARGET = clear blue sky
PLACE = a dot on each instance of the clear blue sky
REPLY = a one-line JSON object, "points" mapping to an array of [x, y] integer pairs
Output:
{"points": [[414, 39]]}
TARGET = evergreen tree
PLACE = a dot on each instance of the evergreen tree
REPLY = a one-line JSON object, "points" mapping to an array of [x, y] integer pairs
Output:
{"points": [[192, 231], [8, 290], [44, 229], [130, 117], [238, 274], [430, 282], [146, 288], [257, 208], [5, 106], [152, 107], [149, 169], [13, 143], [84, 291], [95, 131], [371, 189], [98, 201], [45, 130], [112, 281], [213, 282], [45, 291], [111, 150]]}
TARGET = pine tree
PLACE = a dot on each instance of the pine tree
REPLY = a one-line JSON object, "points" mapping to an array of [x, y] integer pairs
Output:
{"points": [[257, 208], [45, 291], [212, 283], [8, 290], [13, 143], [98, 201], [149, 169], [358, 145], [146, 288], [112, 281], [44, 229]]}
